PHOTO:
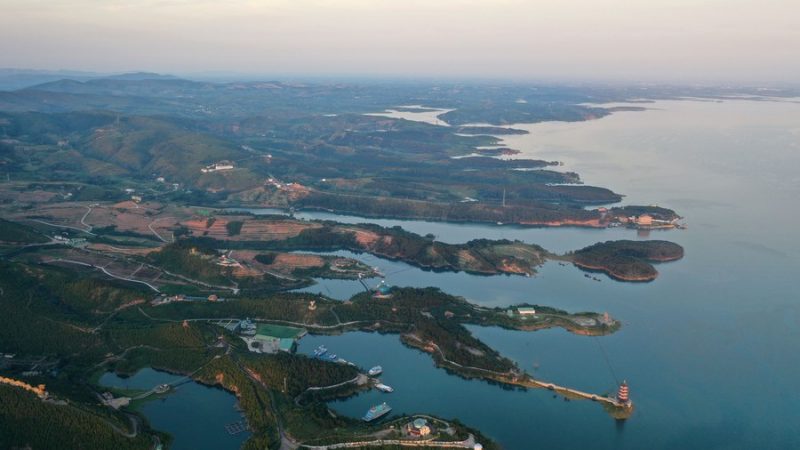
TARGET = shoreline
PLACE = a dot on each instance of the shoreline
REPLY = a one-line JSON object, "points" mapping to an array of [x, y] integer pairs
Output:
{"points": [[592, 223], [615, 275], [516, 379]]}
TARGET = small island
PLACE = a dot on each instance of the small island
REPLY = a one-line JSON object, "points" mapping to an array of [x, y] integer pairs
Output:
{"points": [[627, 260]]}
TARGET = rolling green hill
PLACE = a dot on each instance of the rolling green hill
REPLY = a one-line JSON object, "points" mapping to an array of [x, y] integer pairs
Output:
{"points": [[19, 234], [89, 145]]}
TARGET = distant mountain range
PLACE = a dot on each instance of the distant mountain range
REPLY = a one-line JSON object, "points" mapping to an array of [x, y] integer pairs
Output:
{"points": [[13, 79]]}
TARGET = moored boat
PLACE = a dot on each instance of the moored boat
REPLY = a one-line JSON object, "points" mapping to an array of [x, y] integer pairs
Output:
{"points": [[377, 412], [384, 388], [375, 371]]}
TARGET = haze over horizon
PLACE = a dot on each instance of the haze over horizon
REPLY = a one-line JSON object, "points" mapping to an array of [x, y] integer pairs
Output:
{"points": [[677, 41]]}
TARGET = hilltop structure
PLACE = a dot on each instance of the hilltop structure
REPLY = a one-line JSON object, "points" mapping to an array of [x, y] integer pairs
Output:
{"points": [[217, 167], [274, 339]]}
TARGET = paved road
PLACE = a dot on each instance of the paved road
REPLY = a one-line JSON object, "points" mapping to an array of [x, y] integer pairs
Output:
{"points": [[103, 269], [83, 219], [150, 226], [61, 226]]}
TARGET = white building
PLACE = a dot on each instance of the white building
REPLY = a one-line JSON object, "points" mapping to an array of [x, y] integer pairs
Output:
{"points": [[218, 166]]}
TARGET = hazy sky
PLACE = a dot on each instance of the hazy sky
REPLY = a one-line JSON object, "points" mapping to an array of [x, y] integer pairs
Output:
{"points": [[649, 40]]}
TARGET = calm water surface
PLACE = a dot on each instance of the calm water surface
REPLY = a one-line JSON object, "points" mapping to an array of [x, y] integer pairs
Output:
{"points": [[709, 348], [195, 415]]}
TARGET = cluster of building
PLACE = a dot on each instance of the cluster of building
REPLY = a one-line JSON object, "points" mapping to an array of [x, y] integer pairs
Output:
{"points": [[522, 312], [227, 261], [72, 242], [175, 186], [274, 339], [643, 221], [273, 182], [265, 338], [136, 198], [217, 167], [587, 322], [648, 221], [419, 428], [382, 290], [283, 186]]}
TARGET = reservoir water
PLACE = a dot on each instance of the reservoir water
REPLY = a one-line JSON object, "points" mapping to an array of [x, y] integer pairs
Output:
{"points": [[709, 348], [195, 415]]}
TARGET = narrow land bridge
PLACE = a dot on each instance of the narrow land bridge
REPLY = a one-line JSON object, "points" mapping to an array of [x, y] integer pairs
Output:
{"points": [[163, 388], [527, 381], [469, 443]]}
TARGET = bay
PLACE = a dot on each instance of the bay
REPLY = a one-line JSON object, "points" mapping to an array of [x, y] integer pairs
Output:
{"points": [[709, 348]]}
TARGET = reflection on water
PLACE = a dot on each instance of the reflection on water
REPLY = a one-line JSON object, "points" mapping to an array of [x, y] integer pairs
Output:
{"points": [[556, 284], [560, 240], [195, 415], [708, 348], [430, 115]]}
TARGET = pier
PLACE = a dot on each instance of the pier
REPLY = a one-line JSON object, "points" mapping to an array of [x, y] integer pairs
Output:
{"points": [[163, 388], [166, 387], [610, 401], [619, 408]]}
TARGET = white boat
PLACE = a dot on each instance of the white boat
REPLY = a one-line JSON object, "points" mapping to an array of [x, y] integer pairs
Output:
{"points": [[376, 412], [321, 350], [384, 388], [375, 371]]}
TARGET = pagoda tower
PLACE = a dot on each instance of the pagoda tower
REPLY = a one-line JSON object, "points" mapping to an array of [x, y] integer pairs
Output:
{"points": [[623, 395]]}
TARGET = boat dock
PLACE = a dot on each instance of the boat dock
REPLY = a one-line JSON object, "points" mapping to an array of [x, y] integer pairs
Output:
{"points": [[236, 428]]}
